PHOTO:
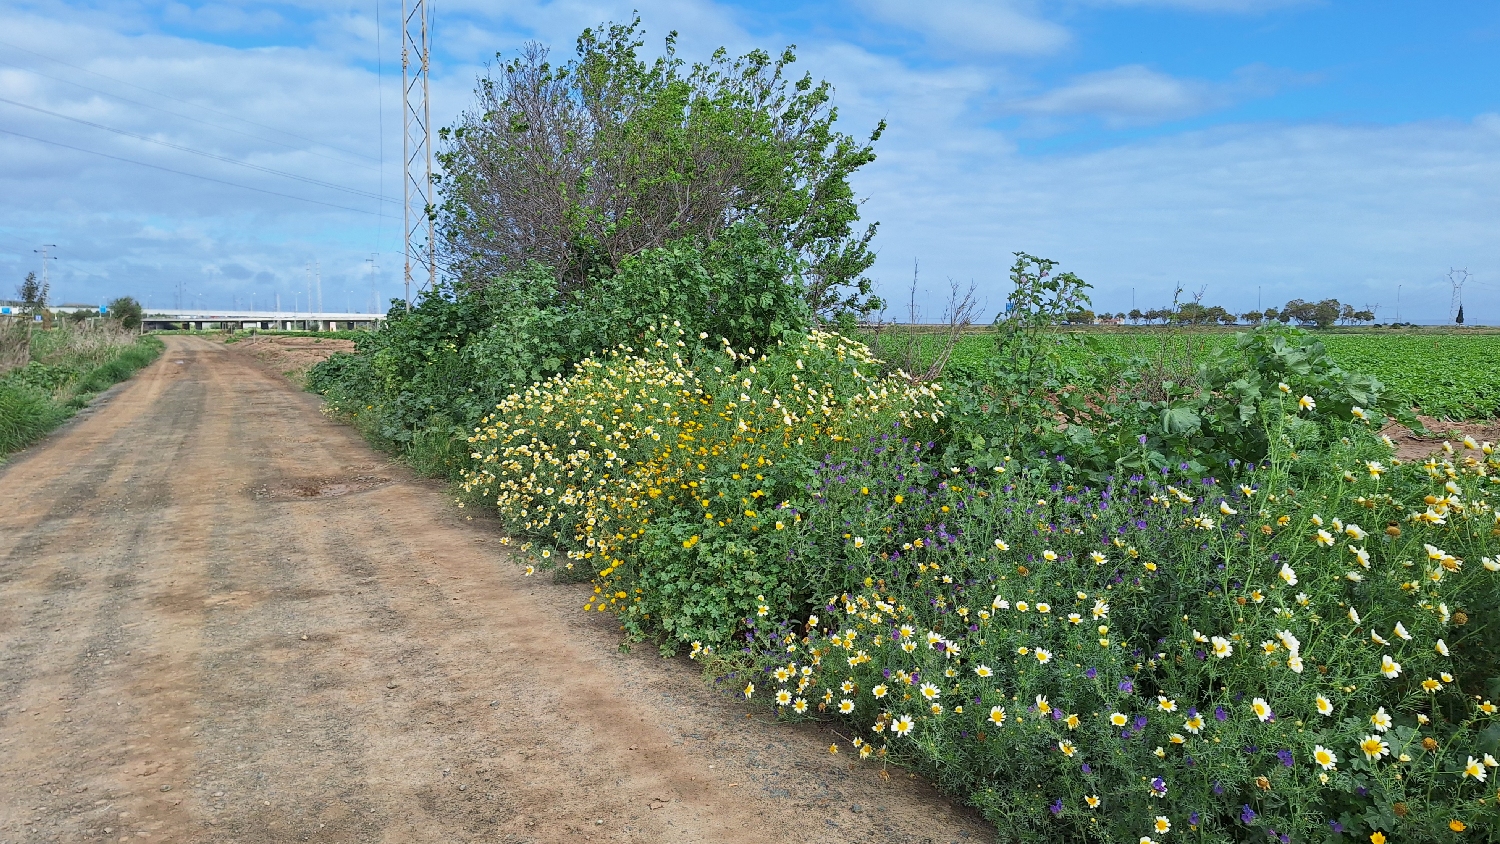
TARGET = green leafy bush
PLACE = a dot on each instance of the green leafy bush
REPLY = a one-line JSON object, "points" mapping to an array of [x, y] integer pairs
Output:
{"points": [[669, 480], [1307, 653]]}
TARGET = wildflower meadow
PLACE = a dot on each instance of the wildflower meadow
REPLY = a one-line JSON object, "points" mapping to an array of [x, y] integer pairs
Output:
{"points": [[1145, 593]]}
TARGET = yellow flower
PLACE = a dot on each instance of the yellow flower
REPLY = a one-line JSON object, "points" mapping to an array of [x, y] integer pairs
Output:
{"points": [[1389, 667], [1000, 545], [1092, 800], [1162, 824], [1049, 555], [1325, 706], [1374, 747], [1067, 748], [1118, 719], [1377, 837], [749, 689], [1324, 757], [1457, 825], [1474, 768]]}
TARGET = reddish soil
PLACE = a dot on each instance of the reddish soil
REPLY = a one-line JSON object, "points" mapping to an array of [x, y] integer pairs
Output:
{"points": [[291, 356], [223, 618], [1409, 446]]}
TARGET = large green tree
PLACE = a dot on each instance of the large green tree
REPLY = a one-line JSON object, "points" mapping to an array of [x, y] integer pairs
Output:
{"points": [[581, 166]]}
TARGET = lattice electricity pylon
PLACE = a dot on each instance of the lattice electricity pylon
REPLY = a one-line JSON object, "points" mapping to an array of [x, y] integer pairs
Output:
{"points": [[1457, 279], [416, 143]]}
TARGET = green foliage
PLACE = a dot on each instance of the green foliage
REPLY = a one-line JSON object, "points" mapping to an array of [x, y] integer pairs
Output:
{"points": [[1033, 647], [67, 367], [671, 480], [425, 379], [581, 166], [126, 311]]}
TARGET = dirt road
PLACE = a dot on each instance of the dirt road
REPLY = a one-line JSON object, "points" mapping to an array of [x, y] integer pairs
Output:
{"points": [[223, 618]]}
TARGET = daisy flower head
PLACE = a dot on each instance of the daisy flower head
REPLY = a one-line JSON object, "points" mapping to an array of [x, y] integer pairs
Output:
{"points": [[799, 706], [1092, 800], [997, 715], [1194, 724], [1098, 558], [1222, 647], [1325, 706], [749, 689], [1001, 546], [1401, 633], [1262, 709], [1307, 403], [1043, 655], [1374, 747], [1226, 509], [1288, 574], [1166, 704], [1118, 719], [880, 691], [1049, 555], [1162, 825], [783, 697], [1354, 615], [983, 671], [1430, 685], [1295, 663], [902, 725], [1325, 758], [846, 706], [1381, 720], [1390, 668], [1283, 387], [1441, 647], [1067, 748], [931, 692], [1474, 768], [1042, 705], [1323, 538]]}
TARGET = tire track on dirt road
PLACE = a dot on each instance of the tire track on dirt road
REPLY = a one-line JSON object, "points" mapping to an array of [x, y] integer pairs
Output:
{"points": [[226, 619]]}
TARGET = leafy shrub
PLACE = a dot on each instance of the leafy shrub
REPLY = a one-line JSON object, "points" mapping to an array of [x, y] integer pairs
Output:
{"points": [[67, 367], [1306, 654], [671, 479], [1136, 412], [427, 378]]}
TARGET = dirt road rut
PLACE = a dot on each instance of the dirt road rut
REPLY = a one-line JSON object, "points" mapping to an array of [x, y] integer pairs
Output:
{"points": [[223, 618]]}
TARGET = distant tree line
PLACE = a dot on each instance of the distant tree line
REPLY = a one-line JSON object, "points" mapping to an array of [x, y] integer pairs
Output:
{"points": [[1321, 314]]}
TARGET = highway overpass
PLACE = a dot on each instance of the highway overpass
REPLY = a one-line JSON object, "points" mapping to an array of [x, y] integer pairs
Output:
{"points": [[263, 320]]}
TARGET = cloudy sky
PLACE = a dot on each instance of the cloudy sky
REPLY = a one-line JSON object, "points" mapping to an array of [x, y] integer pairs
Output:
{"points": [[1258, 150]]}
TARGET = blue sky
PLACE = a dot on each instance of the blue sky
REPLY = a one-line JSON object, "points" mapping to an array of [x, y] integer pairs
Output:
{"points": [[1257, 150]]}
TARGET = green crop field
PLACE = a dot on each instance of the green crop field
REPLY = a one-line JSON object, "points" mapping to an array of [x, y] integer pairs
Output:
{"points": [[1452, 375]]}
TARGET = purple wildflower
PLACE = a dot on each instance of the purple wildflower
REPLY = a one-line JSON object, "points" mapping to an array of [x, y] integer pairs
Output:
{"points": [[1247, 815]]}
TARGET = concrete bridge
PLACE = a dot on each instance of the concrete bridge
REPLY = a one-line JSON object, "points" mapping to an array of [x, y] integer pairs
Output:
{"points": [[262, 320]]}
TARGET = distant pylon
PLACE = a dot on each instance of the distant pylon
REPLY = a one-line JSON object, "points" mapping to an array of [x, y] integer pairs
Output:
{"points": [[416, 141], [1457, 279]]}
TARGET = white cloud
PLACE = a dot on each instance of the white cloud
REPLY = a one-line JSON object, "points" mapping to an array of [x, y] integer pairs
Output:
{"points": [[975, 26], [1136, 95]]}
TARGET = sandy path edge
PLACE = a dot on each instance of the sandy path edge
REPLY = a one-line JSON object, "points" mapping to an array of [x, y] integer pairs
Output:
{"points": [[223, 618]]}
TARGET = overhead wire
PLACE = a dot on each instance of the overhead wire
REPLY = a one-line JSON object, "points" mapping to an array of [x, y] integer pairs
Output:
{"points": [[192, 175], [203, 153], [185, 102], [182, 116]]}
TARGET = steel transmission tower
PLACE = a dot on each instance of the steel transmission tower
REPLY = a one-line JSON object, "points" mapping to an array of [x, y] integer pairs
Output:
{"points": [[416, 142], [1457, 279]]}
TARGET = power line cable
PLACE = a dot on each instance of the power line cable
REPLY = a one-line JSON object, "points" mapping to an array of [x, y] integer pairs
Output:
{"points": [[214, 156], [192, 150], [182, 116], [184, 102], [193, 175]]}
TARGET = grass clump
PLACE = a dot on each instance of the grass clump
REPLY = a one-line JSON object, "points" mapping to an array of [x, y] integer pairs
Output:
{"points": [[54, 372]]}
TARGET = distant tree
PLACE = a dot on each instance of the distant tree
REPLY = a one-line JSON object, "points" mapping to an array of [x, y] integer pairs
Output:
{"points": [[1319, 314], [1271, 315], [1082, 316], [126, 311], [1253, 317], [1135, 315], [33, 294], [1459, 320]]}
